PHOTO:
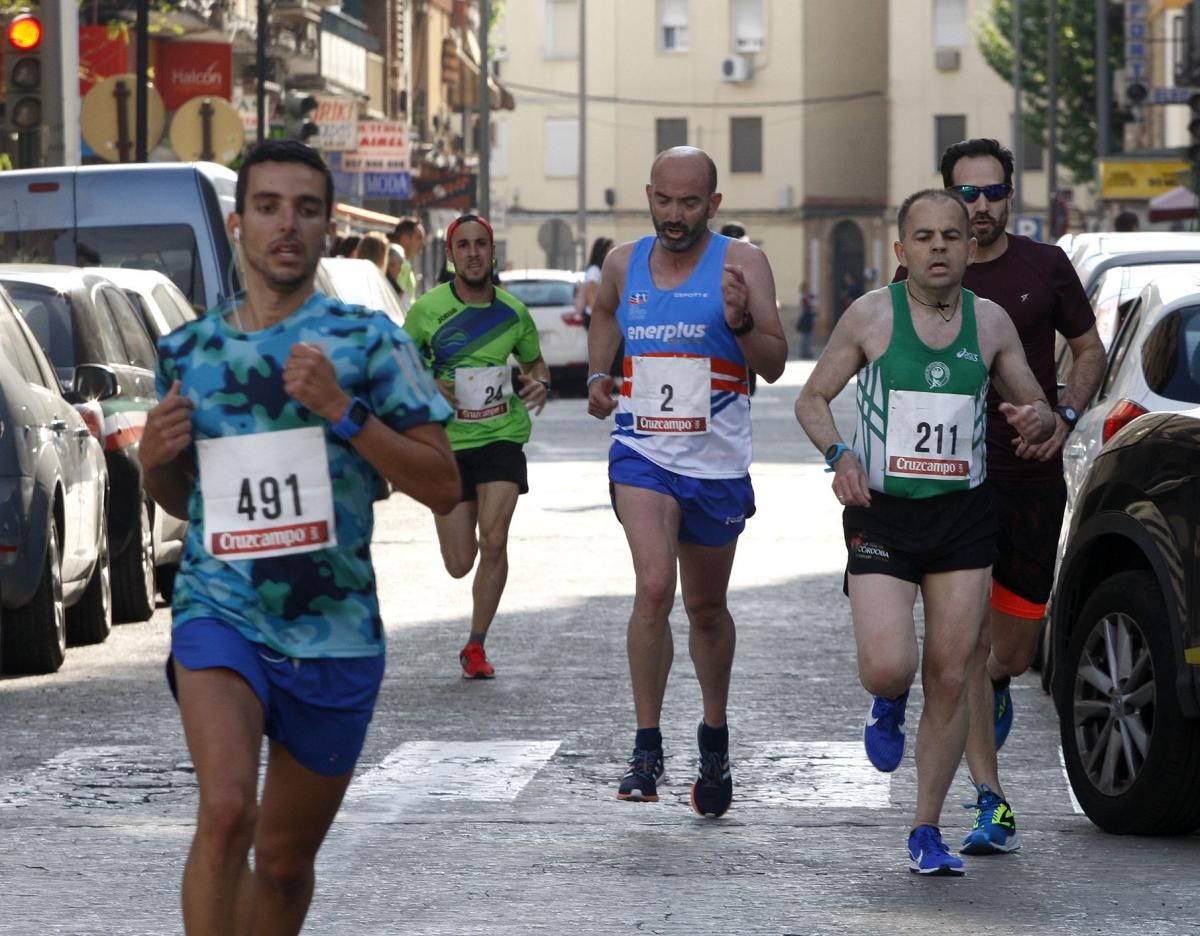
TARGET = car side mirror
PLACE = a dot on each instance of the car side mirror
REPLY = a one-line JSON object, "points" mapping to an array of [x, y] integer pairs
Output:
{"points": [[95, 382]]}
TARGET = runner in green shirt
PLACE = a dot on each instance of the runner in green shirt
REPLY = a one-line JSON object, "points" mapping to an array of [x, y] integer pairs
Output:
{"points": [[467, 330]]}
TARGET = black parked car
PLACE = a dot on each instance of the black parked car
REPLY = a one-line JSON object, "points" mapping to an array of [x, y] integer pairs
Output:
{"points": [[81, 317], [1124, 636], [54, 565]]}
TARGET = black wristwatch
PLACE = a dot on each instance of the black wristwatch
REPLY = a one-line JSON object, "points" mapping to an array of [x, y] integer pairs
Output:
{"points": [[745, 328], [352, 421], [1068, 414]]}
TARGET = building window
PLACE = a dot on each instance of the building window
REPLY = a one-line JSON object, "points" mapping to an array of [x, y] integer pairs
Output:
{"points": [[1032, 153], [950, 24], [749, 26], [948, 129], [746, 145], [562, 147], [673, 25], [668, 132], [562, 29]]}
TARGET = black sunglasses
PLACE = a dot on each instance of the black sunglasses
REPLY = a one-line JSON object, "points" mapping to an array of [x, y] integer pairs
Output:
{"points": [[969, 193]]}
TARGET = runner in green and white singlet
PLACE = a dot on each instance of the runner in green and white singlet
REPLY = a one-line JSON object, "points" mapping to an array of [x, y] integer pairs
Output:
{"points": [[921, 411]]}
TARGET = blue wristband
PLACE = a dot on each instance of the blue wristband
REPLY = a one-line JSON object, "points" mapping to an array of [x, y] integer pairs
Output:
{"points": [[352, 421]]}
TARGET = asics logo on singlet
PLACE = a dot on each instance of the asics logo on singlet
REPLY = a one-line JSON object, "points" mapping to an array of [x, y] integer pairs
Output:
{"points": [[680, 330], [965, 355], [937, 375]]}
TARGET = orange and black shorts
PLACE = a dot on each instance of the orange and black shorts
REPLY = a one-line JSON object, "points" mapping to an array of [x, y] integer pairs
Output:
{"points": [[1030, 516]]}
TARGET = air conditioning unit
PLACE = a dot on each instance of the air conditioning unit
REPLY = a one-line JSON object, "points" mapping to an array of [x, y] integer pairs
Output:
{"points": [[947, 60], [735, 68]]}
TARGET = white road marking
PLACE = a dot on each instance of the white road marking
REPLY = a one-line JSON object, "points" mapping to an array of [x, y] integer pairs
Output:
{"points": [[813, 774], [425, 772], [1062, 762]]}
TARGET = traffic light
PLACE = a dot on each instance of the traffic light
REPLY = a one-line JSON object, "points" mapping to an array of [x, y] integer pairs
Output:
{"points": [[296, 109], [23, 73]]}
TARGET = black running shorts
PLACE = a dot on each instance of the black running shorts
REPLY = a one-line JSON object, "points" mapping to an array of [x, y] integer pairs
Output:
{"points": [[496, 461], [909, 538], [1030, 516]]}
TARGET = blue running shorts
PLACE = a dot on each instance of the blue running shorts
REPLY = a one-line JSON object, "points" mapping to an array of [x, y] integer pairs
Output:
{"points": [[714, 510], [318, 709]]}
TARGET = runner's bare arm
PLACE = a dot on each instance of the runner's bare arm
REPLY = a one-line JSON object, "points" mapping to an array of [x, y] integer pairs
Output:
{"points": [[418, 462], [842, 358], [168, 474], [1025, 406], [604, 335], [748, 288], [534, 393]]}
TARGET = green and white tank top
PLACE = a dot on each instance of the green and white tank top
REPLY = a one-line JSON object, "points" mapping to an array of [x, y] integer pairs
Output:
{"points": [[922, 412]]}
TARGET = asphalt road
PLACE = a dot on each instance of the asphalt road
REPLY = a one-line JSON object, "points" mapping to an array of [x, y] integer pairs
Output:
{"points": [[489, 808]]}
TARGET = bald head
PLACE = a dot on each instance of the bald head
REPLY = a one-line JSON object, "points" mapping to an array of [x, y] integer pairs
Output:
{"points": [[685, 159]]}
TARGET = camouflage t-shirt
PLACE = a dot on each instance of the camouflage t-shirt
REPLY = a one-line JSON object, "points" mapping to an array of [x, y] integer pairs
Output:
{"points": [[469, 347], [318, 603]]}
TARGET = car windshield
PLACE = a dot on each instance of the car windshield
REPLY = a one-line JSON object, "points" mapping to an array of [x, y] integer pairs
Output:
{"points": [[535, 292], [48, 315], [167, 248], [1119, 284]]}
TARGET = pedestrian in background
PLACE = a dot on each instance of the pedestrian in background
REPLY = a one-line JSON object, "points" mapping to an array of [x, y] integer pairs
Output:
{"points": [[409, 237], [276, 627], [468, 330], [373, 247], [918, 512], [807, 321], [591, 277], [1127, 221], [680, 457]]}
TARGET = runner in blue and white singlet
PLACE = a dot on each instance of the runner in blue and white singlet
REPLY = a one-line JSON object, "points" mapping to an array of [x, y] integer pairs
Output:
{"points": [[684, 401]]}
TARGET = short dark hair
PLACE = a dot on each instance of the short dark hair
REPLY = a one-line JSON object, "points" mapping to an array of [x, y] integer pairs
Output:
{"points": [[1126, 221], [734, 229], [980, 146], [405, 225], [284, 151], [932, 194]]}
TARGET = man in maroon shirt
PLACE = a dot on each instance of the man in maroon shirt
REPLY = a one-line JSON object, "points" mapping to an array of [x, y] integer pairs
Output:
{"points": [[1036, 284]]}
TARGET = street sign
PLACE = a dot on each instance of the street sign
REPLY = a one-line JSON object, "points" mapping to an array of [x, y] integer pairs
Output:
{"points": [[1172, 95], [382, 147], [1028, 226], [108, 117], [388, 185], [207, 128], [337, 122]]}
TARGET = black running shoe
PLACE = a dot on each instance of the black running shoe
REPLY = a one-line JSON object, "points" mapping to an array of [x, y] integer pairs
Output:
{"points": [[713, 790], [641, 780]]}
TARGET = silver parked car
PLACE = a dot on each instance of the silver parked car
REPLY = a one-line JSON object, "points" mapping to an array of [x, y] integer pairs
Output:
{"points": [[54, 559], [359, 282]]}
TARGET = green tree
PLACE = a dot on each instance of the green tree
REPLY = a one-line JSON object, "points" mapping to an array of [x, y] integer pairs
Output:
{"points": [[1076, 149]]}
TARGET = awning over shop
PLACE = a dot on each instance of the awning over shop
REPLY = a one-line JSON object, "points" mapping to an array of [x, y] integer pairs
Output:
{"points": [[467, 92], [364, 218], [1177, 204]]}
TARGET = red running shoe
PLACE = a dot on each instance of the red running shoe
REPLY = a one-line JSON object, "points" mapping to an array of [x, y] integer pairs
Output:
{"points": [[475, 662]]}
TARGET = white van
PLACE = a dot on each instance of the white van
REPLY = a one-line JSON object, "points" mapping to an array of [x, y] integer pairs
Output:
{"points": [[168, 217]]}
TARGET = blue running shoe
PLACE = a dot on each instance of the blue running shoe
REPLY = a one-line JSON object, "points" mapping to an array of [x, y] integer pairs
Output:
{"points": [[713, 790], [883, 733], [641, 780], [995, 831], [1003, 714], [927, 854]]}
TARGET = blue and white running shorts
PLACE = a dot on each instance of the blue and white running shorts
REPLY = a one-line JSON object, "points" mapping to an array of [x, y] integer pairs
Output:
{"points": [[318, 709], [714, 510]]}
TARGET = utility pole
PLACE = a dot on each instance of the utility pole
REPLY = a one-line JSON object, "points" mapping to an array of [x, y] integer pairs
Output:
{"points": [[1018, 140], [60, 103], [260, 46], [484, 195], [1103, 81], [142, 96], [581, 222], [1052, 115]]}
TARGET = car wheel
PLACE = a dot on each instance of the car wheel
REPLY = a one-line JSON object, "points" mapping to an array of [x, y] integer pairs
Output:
{"points": [[133, 573], [165, 577], [89, 621], [35, 635], [1132, 758]]}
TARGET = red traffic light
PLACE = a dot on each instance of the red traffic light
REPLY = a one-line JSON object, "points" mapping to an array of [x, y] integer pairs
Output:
{"points": [[25, 32]]}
